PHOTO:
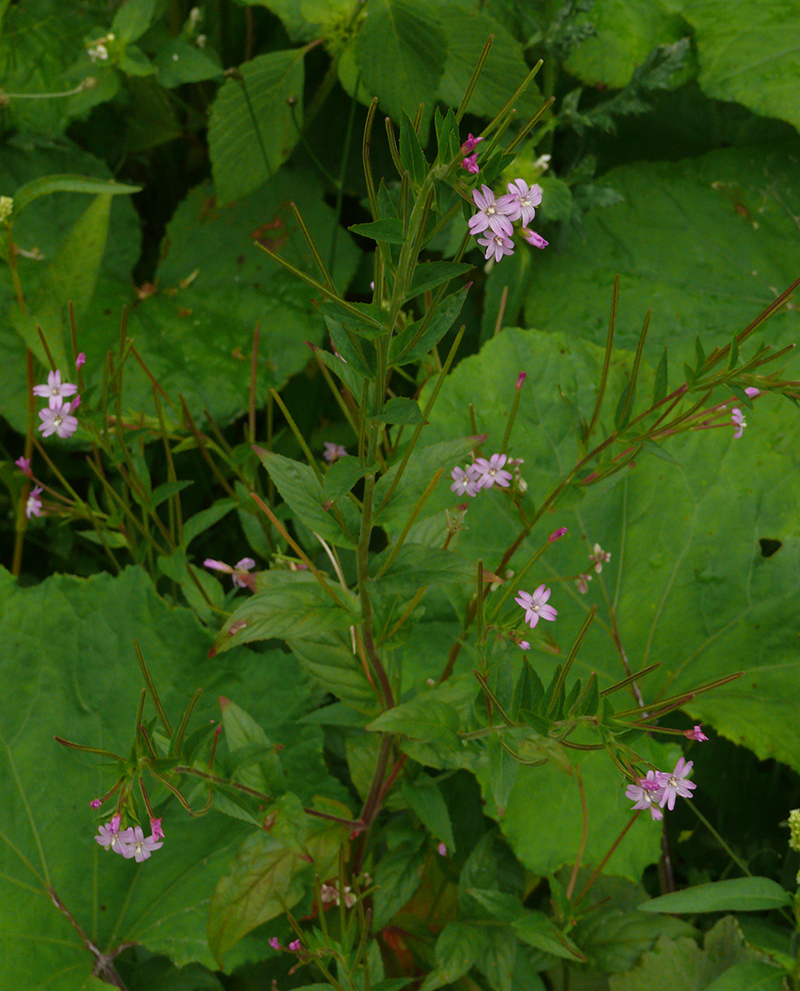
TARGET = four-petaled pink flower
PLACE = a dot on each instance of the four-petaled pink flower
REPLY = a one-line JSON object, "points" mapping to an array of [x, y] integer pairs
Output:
{"points": [[55, 390], [464, 482], [496, 244], [135, 844], [24, 465], [492, 214], [109, 836], [674, 784], [696, 734], [470, 163], [57, 419], [490, 472], [333, 452], [751, 392], [523, 198], [738, 421], [534, 606], [238, 573], [524, 645], [646, 794], [33, 507]]}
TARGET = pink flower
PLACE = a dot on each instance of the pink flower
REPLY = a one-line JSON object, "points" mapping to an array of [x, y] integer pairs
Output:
{"points": [[95, 803], [524, 645], [534, 606], [520, 381], [488, 473], [109, 836], [238, 574], [75, 404], [646, 795], [33, 507], [674, 784], [599, 557], [156, 830], [295, 946], [582, 581], [522, 198], [442, 850], [751, 392], [534, 239], [57, 419], [696, 734], [24, 465], [470, 163], [55, 390], [464, 482], [274, 942], [134, 844], [470, 144], [556, 535], [496, 244], [738, 421], [492, 213], [80, 361], [333, 452]]}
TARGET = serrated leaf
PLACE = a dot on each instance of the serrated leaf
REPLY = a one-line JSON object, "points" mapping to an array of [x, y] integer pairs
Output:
{"points": [[458, 947], [424, 719], [417, 565], [342, 476]]}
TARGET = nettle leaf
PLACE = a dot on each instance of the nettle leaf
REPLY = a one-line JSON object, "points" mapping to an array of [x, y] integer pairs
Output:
{"points": [[72, 671], [400, 53], [730, 52], [288, 604], [303, 492], [668, 260], [251, 131]]}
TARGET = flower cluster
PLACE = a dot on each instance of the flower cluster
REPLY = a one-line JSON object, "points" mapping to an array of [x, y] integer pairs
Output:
{"points": [[131, 842], [57, 416], [495, 218], [483, 473], [660, 788]]}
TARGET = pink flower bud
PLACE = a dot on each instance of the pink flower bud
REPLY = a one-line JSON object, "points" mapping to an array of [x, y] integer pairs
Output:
{"points": [[274, 942], [520, 379], [556, 534], [295, 946], [156, 830], [24, 465], [696, 734], [442, 850], [80, 361], [95, 803]]}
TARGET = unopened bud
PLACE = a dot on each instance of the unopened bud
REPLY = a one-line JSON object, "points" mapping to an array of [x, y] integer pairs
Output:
{"points": [[520, 379], [556, 534]]}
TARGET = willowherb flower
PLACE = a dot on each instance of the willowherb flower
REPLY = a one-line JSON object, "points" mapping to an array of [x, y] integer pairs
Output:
{"points": [[534, 239], [739, 422], [751, 392], [333, 452], [470, 144], [24, 465], [464, 482], [33, 507], [470, 163], [136, 845], [55, 390], [696, 734], [57, 420], [646, 794], [295, 946], [80, 361], [156, 830], [522, 198], [535, 607], [557, 535], [274, 942], [492, 214], [599, 557], [489, 472], [524, 645], [109, 836], [496, 244], [238, 573], [675, 783]]}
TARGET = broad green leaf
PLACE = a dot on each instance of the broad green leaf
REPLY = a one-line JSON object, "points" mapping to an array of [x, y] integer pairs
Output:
{"points": [[399, 410], [458, 947], [748, 53], [332, 661], [389, 230], [309, 19], [428, 275], [72, 671], [251, 131], [288, 605], [300, 487], [425, 719], [534, 928], [265, 878], [342, 476], [206, 518], [620, 36], [400, 54], [707, 244], [750, 975], [178, 62], [417, 565], [132, 19], [397, 877], [741, 894], [426, 800], [242, 731]]}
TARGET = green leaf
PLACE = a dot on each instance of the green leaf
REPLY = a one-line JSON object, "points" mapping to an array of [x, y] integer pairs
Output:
{"points": [[242, 731], [399, 410], [411, 154], [397, 878], [458, 947], [503, 770], [402, 350], [427, 719], [206, 518], [425, 799], [251, 131], [288, 605], [660, 383], [417, 565], [342, 476], [178, 63], [534, 928], [428, 275], [731, 48], [749, 975], [265, 878], [299, 486], [331, 660], [447, 136], [389, 230], [400, 53], [67, 184], [742, 894], [132, 19]]}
